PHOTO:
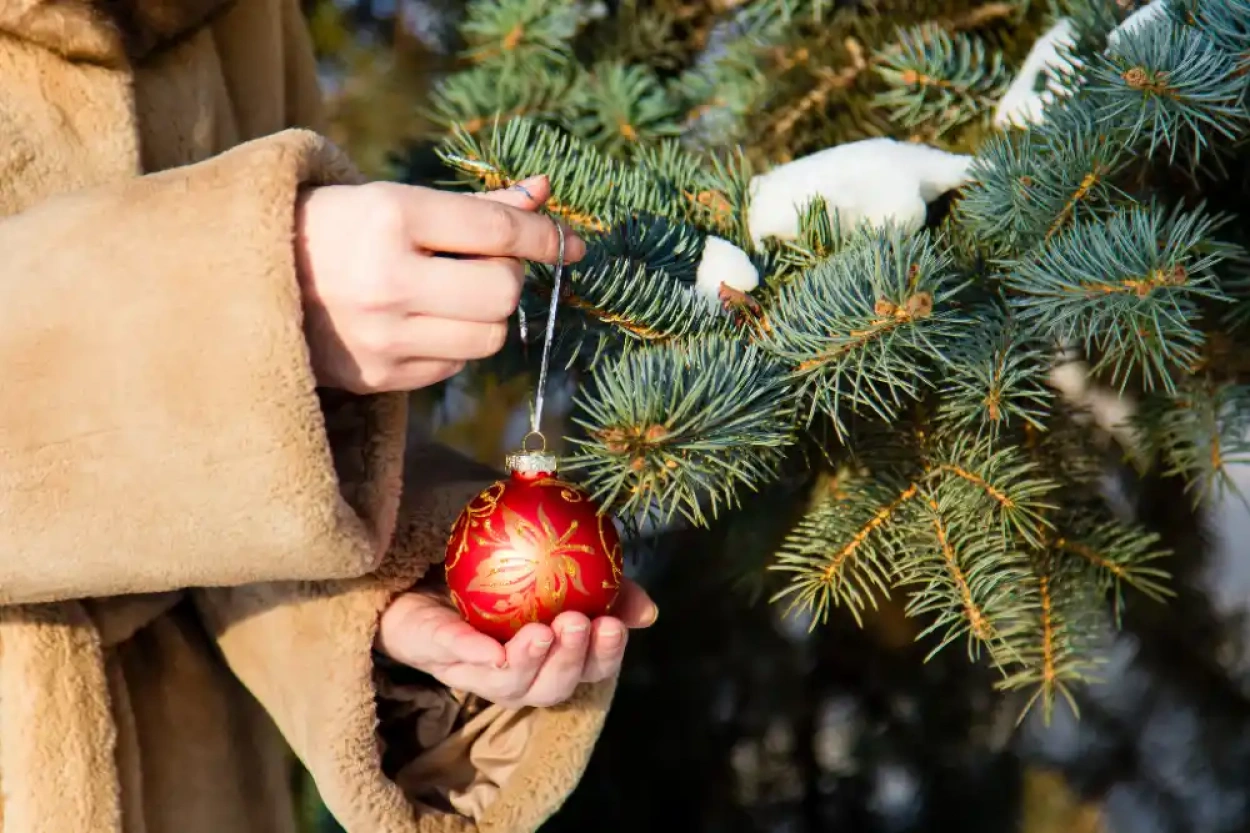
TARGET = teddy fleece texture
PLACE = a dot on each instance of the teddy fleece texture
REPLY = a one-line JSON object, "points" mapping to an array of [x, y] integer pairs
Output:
{"points": [[195, 542]]}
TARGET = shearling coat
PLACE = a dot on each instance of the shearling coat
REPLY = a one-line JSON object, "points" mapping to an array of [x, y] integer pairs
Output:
{"points": [[195, 541]]}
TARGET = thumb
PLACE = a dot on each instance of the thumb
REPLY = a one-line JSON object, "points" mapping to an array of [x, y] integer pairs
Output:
{"points": [[528, 194]]}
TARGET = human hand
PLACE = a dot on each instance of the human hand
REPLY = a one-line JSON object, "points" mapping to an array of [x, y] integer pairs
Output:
{"points": [[539, 666], [385, 308]]}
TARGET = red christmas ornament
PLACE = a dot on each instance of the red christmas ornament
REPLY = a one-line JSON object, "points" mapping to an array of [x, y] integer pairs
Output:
{"points": [[528, 548]]}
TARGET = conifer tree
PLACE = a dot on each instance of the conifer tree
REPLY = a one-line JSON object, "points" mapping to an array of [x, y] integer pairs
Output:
{"points": [[903, 362]]}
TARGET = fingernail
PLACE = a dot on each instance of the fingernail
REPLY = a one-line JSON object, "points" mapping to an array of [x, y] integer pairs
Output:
{"points": [[525, 185], [574, 246], [610, 634], [539, 647], [652, 615], [575, 631]]}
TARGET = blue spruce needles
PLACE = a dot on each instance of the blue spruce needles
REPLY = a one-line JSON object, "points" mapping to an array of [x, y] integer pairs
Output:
{"points": [[907, 379]]}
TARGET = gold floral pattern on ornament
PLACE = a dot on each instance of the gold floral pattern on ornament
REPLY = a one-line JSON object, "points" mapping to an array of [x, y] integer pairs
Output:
{"points": [[482, 506], [531, 568]]}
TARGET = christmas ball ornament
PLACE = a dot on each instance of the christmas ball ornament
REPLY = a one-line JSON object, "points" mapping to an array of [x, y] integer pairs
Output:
{"points": [[530, 547]]}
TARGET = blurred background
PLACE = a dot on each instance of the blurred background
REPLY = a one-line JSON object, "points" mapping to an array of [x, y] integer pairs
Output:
{"points": [[731, 718]]}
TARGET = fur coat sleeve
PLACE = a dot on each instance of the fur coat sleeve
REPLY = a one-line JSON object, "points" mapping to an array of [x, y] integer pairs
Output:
{"points": [[152, 347]]}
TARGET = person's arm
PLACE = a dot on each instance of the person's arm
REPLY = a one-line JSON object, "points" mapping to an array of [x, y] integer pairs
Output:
{"points": [[161, 426], [393, 750]]}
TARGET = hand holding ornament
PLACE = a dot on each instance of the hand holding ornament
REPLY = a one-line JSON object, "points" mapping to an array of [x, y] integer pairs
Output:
{"points": [[540, 666], [557, 607]]}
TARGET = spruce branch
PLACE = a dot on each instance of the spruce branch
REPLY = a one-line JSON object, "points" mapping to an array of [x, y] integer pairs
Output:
{"points": [[993, 380], [636, 281], [842, 553], [476, 97], [721, 204], [621, 107], [1029, 186], [963, 578], [1114, 554], [729, 82], [591, 191], [939, 80], [853, 545], [523, 34], [995, 482], [1127, 288], [682, 428], [1226, 23], [1200, 432], [820, 237], [1062, 602], [1053, 646], [862, 330], [1167, 86]]}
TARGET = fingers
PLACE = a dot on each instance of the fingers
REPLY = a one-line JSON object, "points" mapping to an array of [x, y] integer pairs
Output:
{"points": [[527, 195], [562, 670], [509, 685], [634, 607], [443, 221], [607, 649], [484, 290], [423, 337], [423, 632], [415, 374], [540, 666]]}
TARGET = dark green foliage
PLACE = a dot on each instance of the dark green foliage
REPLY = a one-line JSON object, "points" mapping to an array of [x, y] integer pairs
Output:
{"points": [[1168, 87], [940, 81], [667, 436], [1127, 288], [861, 329], [1028, 187], [904, 372]]}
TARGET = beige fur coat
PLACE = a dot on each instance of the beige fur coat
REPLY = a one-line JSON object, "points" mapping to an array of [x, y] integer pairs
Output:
{"points": [[195, 543]]}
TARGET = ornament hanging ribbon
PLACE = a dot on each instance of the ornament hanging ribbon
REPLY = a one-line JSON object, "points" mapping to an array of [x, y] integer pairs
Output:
{"points": [[536, 414], [531, 547]]}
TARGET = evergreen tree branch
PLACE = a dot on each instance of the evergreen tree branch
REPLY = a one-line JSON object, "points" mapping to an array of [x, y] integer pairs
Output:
{"points": [[1167, 86], [1128, 288], [841, 553], [521, 33], [996, 482], [635, 286], [1200, 432], [591, 191], [475, 98], [993, 381], [863, 328], [621, 108], [1029, 186], [965, 579], [1053, 646], [940, 80], [1225, 23], [674, 427]]}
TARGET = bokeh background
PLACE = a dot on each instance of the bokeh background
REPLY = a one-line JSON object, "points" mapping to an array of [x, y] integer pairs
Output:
{"points": [[732, 718]]}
